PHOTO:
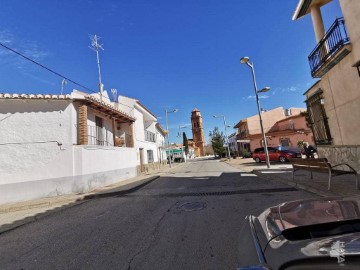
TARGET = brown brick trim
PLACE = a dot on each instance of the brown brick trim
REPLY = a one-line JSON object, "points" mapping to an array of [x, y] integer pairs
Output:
{"points": [[83, 129]]}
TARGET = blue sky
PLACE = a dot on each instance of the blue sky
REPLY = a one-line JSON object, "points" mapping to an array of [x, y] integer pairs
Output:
{"points": [[168, 54]]}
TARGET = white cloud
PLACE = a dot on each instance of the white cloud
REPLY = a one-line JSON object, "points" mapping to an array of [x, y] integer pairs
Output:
{"points": [[290, 89], [28, 48], [6, 37]]}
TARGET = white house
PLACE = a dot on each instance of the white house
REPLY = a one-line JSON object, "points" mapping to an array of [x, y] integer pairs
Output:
{"points": [[233, 143], [149, 135], [160, 142], [59, 144]]}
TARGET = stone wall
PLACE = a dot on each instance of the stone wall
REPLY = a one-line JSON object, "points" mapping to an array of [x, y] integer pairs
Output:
{"points": [[341, 154], [151, 167]]}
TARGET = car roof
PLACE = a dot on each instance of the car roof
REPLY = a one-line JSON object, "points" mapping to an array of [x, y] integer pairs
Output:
{"points": [[313, 211], [294, 215]]}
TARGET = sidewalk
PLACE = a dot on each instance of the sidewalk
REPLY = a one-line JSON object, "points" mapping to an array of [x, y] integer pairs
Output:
{"points": [[342, 185], [17, 214]]}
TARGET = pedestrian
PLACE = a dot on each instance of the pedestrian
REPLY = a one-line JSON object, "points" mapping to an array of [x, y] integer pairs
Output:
{"points": [[309, 151]]}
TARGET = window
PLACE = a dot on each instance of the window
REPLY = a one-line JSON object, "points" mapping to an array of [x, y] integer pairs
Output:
{"points": [[99, 130], [149, 136], [285, 142], [259, 150], [318, 120], [150, 155]]}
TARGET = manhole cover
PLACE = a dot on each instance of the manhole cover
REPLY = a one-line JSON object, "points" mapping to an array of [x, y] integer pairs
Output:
{"points": [[193, 206]]}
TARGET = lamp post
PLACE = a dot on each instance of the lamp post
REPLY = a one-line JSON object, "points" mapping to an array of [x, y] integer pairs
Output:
{"points": [[246, 60], [227, 139], [179, 135], [167, 128]]}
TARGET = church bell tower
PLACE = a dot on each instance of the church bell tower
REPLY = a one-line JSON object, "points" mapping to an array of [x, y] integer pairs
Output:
{"points": [[198, 132]]}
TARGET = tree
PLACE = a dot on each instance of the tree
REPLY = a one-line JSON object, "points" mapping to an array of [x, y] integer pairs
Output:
{"points": [[185, 143], [217, 141]]}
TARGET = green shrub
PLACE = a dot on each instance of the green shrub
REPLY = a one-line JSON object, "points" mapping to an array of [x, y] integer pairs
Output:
{"points": [[246, 154]]}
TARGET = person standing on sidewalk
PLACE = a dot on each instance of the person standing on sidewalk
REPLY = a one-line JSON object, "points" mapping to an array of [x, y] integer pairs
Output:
{"points": [[309, 151]]}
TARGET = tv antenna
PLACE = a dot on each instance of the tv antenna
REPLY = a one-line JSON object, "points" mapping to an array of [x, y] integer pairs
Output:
{"points": [[95, 46], [114, 93], [63, 83]]}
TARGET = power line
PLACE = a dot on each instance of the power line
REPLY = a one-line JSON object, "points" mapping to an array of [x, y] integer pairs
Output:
{"points": [[48, 69], [54, 72]]}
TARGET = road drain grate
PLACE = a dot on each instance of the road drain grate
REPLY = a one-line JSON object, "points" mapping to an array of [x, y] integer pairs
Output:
{"points": [[226, 193]]}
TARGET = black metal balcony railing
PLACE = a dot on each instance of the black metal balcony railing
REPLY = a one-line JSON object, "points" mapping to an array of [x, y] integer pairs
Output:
{"points": [[242, 134], [335, 38]]}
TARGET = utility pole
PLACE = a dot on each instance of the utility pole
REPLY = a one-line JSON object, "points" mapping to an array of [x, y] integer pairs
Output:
{"points": [[96, 46]]}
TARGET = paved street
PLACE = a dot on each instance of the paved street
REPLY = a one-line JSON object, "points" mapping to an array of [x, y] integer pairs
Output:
{"points": [[192, 218]]}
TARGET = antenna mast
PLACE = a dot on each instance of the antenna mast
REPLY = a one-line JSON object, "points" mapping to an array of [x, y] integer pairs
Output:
{"points": [[96, 46], [63, 83], [114, 93]]}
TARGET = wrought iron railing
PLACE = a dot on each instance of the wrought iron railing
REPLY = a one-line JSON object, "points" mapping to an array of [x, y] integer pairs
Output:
{"points": [[100, 136], [242, 134], [335, 38], [318, 120]]}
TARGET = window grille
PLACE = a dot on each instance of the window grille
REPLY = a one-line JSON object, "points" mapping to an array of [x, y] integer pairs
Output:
{"points": [[318, 120], [150, 155]]}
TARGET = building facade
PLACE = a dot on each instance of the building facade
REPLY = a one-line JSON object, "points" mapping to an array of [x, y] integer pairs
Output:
{"points": [[149, 135], [282, 127], [233, 146], [333, 101], [198, 132], [59, 144]]}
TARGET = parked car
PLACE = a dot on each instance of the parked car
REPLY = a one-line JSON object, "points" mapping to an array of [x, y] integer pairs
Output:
{"points": [[305, 234], [275, 154]]}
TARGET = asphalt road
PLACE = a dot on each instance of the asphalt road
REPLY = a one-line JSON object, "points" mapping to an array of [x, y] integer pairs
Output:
{"points": [[192, 218]]}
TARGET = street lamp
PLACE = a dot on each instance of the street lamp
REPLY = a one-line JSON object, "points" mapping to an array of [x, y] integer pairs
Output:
{"points": [[179, 135], [246, 60], [180, 127], [167, 128], [227, 139]]}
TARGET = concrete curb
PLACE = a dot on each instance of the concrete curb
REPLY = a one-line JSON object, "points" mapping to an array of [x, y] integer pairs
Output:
{"points": [[122, 190], [18, 223]]}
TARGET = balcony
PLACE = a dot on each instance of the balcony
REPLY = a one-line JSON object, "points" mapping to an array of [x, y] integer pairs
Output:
{"points": [[331, 49], [100, 136], [242, 134]]}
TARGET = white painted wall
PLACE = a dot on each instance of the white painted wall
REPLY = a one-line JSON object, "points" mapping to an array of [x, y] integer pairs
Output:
{"points": [[32, 134], [38, 157], [99, 166], [233, 143], [144, 120]]}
